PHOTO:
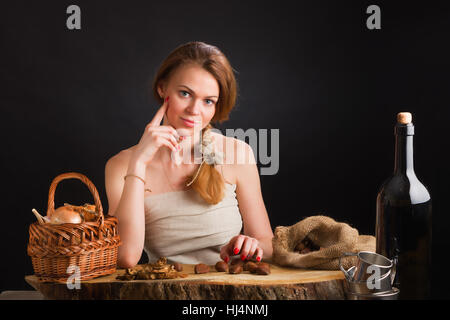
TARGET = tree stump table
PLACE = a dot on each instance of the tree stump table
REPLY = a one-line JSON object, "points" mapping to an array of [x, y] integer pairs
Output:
{"points": [[281, 284]]}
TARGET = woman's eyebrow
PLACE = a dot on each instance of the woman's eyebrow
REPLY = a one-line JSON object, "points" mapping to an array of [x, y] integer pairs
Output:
{"points": [[194, 91]]}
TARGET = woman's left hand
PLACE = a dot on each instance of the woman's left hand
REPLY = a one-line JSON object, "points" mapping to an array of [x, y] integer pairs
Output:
{"points": [[241, 244]]}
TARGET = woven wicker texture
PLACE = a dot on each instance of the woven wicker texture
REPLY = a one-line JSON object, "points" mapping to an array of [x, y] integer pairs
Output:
{"points": [[88, 247]]}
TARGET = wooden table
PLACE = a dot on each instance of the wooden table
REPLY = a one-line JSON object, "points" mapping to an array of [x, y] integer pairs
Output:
{"points": [[21, 295], [281, 284]]}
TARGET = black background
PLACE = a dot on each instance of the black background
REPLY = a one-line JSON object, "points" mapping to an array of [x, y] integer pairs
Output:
{"points": [[72, 99]]}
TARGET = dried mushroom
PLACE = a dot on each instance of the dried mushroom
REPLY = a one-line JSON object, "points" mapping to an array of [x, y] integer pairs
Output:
{"points": [[158, 270]]}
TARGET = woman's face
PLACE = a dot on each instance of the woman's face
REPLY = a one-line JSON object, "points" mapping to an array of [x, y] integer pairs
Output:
{"points": [[193, 94]]}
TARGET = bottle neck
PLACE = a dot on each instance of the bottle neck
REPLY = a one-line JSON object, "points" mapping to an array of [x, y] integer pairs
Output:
{"points": [[404, 159]]}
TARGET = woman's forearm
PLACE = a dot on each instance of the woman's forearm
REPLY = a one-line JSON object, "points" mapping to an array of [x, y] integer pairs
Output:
{"points": [[131, 216], [266, 245]]}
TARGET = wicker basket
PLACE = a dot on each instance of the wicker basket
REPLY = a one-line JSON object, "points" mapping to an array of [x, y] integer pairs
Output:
{"points": [[90, 246]]}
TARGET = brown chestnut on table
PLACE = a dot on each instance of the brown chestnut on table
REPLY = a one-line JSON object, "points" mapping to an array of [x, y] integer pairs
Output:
{"points": [[250, 266], [178, 266], [201, 268], [221, 266], [262, 268], [235, 268], [236, 261]]}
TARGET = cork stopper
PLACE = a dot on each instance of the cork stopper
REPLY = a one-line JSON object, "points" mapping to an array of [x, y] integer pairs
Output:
{"points": [[404, 117]]}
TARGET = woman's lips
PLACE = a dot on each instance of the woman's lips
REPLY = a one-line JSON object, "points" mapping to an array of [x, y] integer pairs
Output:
{"points": [[188, 123]]}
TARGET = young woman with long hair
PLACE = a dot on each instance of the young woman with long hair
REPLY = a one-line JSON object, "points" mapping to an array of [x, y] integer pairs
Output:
{"points": [[190, 211]]}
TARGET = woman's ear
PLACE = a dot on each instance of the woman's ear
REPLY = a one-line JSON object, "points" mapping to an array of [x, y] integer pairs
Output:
{"points": [[161, 90]]}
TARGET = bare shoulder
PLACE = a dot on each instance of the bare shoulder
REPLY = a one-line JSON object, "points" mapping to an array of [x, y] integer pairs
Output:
{"points": [[119, 162], [235, 151]]}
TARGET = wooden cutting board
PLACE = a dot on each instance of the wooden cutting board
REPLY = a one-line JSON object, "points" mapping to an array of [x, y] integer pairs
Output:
{"points": [[281, 284]]}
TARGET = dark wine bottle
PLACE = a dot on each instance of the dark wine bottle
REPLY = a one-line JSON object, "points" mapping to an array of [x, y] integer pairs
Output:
{"points": [[403, 219]]}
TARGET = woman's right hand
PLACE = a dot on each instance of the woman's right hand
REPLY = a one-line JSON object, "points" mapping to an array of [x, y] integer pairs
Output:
{"points": [[156, 136]]}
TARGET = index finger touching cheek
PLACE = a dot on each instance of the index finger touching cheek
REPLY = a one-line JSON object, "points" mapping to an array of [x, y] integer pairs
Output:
{"points": [[156, 121]]}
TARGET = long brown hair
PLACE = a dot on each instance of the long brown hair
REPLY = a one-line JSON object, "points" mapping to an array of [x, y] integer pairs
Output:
{"points": [[209, 183]]}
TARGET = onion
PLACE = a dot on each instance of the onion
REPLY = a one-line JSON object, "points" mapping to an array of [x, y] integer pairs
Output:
{"points": [[65, 215]]}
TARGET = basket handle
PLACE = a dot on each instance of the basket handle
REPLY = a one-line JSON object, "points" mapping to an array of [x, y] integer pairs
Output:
{"points": [[86, 181]]}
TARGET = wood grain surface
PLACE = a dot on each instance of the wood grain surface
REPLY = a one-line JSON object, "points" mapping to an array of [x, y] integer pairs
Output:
{"points": [[281, 284]]}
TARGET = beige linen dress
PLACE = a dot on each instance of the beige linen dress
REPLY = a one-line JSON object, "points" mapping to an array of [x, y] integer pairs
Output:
{"points": [[182, 227]]}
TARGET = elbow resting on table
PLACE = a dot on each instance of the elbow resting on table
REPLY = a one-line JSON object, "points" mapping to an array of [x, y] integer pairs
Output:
{"points": [[127, 261]]}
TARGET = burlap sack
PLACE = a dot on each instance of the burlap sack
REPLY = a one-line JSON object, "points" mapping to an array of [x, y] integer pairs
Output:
{"points": [[333, 237]]}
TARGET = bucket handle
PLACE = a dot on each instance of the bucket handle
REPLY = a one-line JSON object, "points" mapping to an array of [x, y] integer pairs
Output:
{"points": [[394, 269], [346, 254]]}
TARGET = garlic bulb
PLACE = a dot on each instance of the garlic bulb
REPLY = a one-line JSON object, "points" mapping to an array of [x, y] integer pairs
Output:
{"points": [[65, 215]]}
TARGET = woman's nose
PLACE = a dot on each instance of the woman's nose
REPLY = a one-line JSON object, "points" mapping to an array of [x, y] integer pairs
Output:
{"points": [[194, 107]]}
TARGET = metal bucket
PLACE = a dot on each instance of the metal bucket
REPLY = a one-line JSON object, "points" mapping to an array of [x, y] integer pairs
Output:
{"points": [[366, 263], [383, 284], [389, 295]]}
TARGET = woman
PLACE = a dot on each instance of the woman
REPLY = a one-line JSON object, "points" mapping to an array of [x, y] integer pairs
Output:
{"points": [[193, 211]]}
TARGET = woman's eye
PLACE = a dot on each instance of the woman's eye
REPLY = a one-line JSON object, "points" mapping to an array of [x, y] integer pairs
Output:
{"points": [[184, 93], [209, 102]]}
